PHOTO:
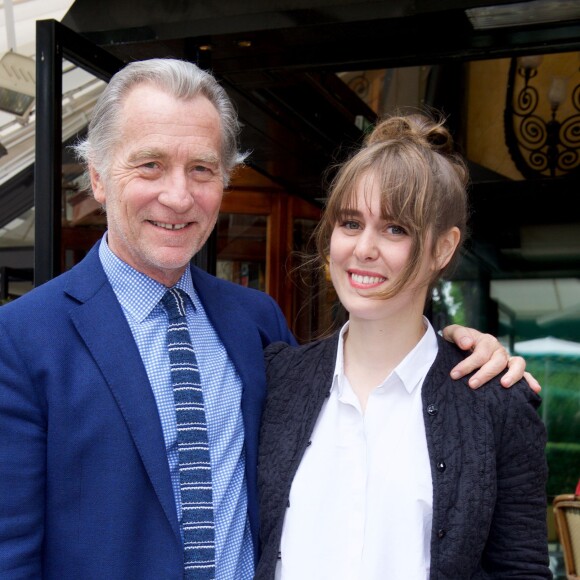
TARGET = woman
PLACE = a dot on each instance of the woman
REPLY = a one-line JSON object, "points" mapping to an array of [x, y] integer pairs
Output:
{"points": [[374, 463]]}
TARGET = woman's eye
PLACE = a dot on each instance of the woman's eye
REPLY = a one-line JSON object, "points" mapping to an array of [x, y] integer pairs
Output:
{"points": [[396, 230], [350, 225]]}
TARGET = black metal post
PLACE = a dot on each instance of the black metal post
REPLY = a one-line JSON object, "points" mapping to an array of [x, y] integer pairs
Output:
{"points": [[3, 282], [48, 160], [53, 42]]}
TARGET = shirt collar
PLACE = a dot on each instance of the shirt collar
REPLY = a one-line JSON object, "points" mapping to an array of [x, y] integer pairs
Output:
{"points": [[410, 371], [337, 382], [137, 293], [415, 366]]}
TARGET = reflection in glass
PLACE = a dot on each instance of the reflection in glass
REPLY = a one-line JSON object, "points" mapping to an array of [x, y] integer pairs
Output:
{"points": [[540, 320], [242, 243]]}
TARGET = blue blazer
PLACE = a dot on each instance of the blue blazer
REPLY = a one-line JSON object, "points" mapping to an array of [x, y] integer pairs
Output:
{"points": [[85, 490]]}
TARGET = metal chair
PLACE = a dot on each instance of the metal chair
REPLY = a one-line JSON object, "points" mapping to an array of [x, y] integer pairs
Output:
{"points": [[567, 516]]}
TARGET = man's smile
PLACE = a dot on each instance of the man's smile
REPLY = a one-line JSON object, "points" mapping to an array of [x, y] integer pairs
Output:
{"points": [[169, 226]]}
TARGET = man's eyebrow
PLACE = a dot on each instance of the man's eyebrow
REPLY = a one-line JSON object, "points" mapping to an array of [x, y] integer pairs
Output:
{"points": [[137, 156], [145, 154], [210, 158]]}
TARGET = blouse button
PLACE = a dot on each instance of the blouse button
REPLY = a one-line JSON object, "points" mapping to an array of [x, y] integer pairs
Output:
{"points": [[441, 534], [432, 409], [441, 466]]}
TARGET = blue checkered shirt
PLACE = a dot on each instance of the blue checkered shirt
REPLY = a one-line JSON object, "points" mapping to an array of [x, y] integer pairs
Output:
{"points": [[140, 297]]}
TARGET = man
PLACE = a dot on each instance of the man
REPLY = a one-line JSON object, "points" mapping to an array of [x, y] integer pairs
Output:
{"points": [[89, 463]]}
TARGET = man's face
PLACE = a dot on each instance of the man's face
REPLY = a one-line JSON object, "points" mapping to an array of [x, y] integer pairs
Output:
{"points": [[165, 185]]}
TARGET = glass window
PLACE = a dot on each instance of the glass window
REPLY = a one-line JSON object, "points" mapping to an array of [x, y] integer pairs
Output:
{"points": [[242, 246], [314, 302], [540, 320]]}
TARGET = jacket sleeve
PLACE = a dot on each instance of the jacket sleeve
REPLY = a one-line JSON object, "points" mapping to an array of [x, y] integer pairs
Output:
{"points": [[517, 544], [22, 465], [283, 333]]}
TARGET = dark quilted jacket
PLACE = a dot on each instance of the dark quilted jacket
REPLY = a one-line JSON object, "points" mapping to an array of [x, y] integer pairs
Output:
{"points": [[487, 461]]}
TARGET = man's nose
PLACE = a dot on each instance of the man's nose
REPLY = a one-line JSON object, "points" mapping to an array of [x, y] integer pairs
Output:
{"points": [[178, 192]]}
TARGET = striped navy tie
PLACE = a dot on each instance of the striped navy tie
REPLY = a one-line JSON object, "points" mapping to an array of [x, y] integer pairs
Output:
{"points": [[197, 519]]}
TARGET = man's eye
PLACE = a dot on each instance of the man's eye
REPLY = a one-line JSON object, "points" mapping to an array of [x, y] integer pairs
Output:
{"points": [[203, 172], [150, 165]]}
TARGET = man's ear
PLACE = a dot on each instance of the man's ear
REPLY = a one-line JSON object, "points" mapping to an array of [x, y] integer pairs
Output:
{"points": [[97, 185], [446, 246]]}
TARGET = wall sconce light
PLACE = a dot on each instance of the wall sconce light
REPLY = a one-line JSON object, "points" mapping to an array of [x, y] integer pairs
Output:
{"points": [[541, 147], [17, 85]]}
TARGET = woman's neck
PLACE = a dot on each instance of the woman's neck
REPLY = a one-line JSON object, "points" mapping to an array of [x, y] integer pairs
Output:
{"points": [[374, 348]]}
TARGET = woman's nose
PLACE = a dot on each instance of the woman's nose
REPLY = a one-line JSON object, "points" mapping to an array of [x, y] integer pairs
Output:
{"points": [[366, 248]]}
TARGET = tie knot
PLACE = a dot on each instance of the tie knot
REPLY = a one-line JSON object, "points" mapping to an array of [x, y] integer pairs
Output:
{"points": [[174, 303]]}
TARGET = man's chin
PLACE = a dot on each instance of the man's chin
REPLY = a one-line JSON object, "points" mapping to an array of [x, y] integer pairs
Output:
{"points": [[167, 267], [173, 265]]}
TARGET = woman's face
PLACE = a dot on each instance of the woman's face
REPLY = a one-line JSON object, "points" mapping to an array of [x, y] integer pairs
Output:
{"points": [[369, 252]]}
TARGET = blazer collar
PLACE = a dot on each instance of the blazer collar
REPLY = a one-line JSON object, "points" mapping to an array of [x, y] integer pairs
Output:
{"points": [[101, 323]]}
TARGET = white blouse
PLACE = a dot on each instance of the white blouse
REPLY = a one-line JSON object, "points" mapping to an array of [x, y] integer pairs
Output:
{"points": [[361, 500]]}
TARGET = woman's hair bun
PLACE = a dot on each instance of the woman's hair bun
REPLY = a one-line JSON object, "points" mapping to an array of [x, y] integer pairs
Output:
{"points": [[416, 128]]}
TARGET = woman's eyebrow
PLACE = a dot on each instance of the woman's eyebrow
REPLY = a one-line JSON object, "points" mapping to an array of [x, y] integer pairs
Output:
{"points": [[345, 213]]}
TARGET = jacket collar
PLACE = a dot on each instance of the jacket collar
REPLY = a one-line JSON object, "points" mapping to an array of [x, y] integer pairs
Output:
{"points": [[102, 326]]}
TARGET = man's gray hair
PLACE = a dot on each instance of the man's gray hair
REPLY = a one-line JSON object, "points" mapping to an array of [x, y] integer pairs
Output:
{"points": [[182, 80]]}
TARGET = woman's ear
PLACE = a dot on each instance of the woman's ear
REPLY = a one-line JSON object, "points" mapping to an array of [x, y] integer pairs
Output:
{"points": [[446, 246]]}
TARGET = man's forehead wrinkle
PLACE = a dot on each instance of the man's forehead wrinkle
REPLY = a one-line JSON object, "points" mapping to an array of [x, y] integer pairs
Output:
{"points": [[160, 153]]}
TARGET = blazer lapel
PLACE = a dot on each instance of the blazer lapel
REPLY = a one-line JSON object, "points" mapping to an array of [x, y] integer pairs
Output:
{"points": [[102, 325]]}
